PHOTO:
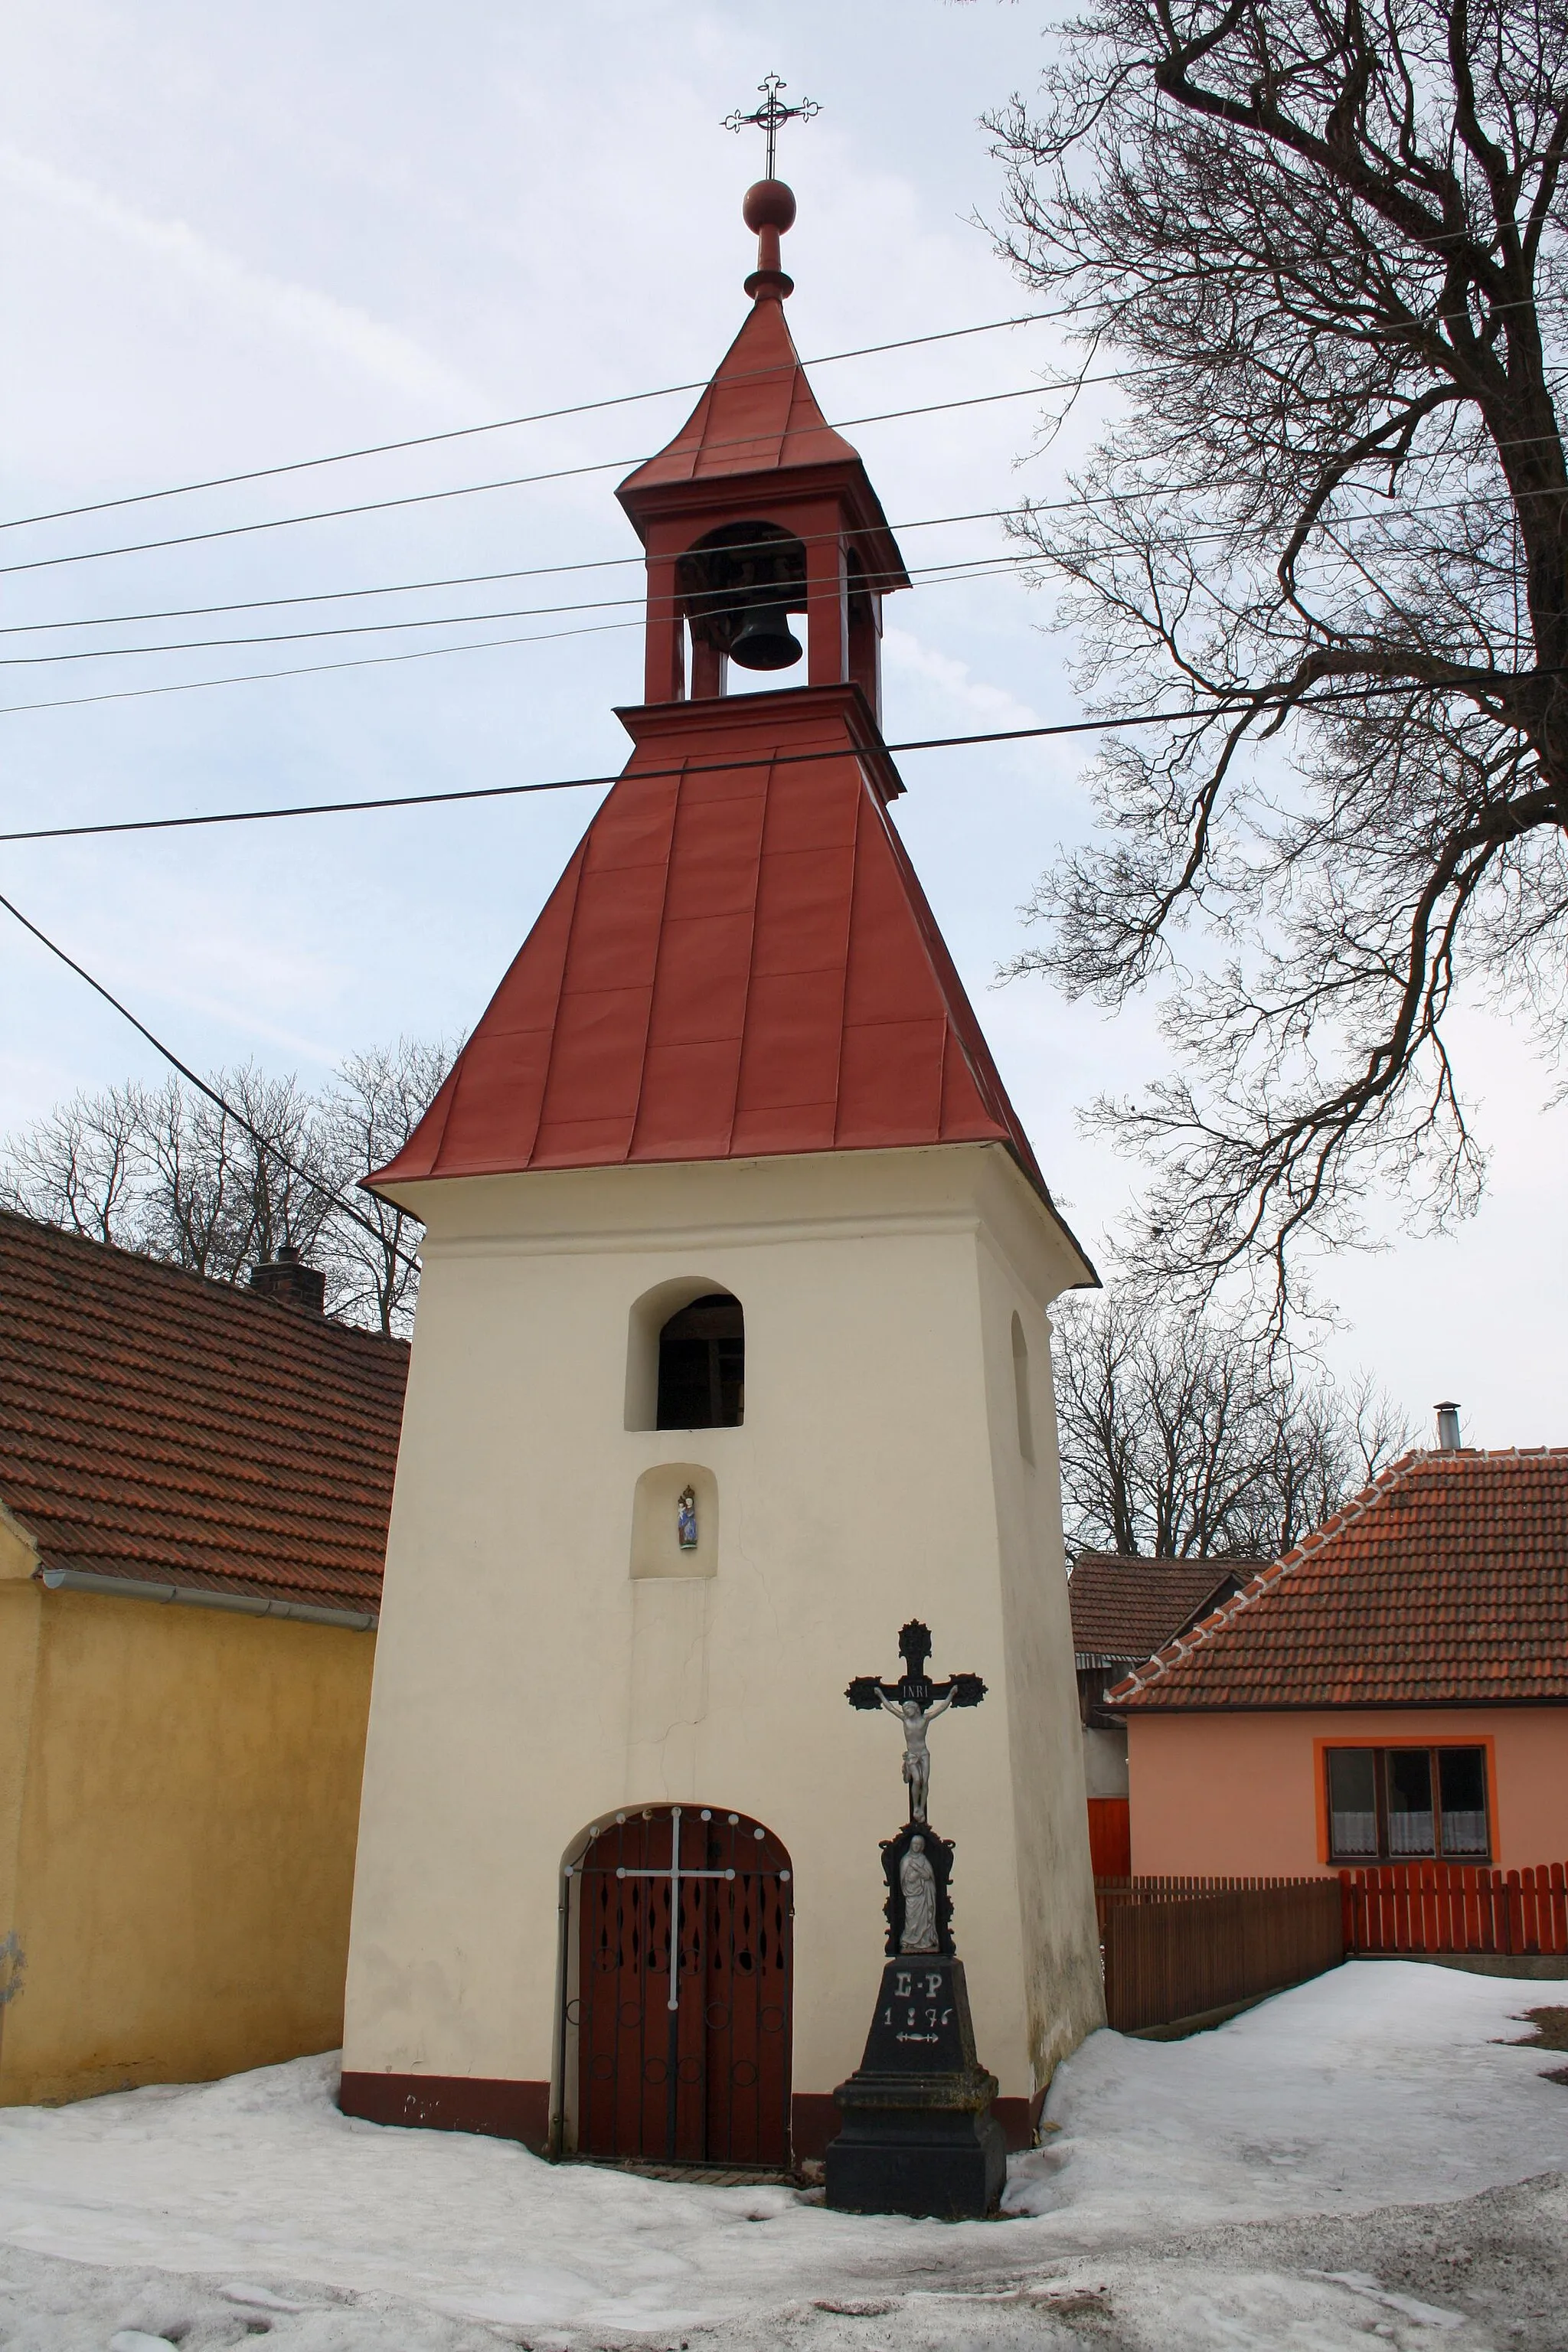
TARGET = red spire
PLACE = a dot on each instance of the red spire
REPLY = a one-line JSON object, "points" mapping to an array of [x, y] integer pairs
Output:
{"points": [[759, 414]]}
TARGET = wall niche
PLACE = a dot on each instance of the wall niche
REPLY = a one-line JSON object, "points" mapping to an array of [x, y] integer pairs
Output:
{"points": [[659, 1522]]}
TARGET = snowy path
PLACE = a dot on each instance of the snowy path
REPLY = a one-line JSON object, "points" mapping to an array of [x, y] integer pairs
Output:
{"points": [[202, 2213]]}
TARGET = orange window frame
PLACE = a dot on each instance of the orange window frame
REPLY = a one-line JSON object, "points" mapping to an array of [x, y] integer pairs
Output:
{"points": [[1482, 1740]]}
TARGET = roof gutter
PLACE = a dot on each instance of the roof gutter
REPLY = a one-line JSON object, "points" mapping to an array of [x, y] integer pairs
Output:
{"points": [[192, 1596]]}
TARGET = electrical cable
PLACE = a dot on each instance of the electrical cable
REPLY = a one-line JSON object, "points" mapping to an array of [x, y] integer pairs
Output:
{"points": [[970, 567], [508, 482], [463, 580], [987, 568], [574, 408], [1219, 707], [613, 563], [262, 1142], [604, 466], [507, 424]]}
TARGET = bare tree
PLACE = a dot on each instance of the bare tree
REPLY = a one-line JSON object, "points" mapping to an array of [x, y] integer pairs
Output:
{"points": [[1182, 1438], [1327, 238], [77, 1167], [220, 1194], [379, 1099], [218, 1187]]}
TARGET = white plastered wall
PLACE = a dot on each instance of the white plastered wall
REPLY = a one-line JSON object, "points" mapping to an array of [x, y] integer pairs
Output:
{"points": [[527, 1683]]}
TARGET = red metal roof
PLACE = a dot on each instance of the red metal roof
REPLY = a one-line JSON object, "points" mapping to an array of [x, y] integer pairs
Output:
{"points": [[1125, 1605], [1444, 1584], [758, 416], [738, 961], [157, 1426]]}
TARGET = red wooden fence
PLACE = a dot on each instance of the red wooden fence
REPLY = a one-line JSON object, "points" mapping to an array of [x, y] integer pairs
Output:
{"points": [[1181, 1949], [1448, 1907]]}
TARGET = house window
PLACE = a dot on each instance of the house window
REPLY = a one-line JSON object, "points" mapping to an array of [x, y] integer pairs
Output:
{"points": [[702, 1365], [1404, 1804]]}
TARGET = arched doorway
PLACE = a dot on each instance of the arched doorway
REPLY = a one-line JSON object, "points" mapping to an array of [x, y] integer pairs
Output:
{"points": [[676, 2024]]}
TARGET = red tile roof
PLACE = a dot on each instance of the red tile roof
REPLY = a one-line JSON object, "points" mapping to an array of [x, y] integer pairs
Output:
{"points": [[738, 961], [1444, 1584], [158, 1426], [759, 415], [1125, 1606]]}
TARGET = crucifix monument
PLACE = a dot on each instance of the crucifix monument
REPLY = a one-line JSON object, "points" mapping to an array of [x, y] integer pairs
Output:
{"points": [[918, 2136]]}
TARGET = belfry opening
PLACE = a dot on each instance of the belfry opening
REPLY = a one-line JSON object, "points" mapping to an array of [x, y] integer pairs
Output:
{"points": [[702, 1365]]}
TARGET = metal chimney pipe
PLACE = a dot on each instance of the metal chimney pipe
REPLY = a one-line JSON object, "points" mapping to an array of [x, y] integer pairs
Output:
{"points": [[1447, 1428]]}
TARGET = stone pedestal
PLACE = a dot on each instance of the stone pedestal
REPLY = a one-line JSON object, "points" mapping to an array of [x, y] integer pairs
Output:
{"points": [[919, 2136]]}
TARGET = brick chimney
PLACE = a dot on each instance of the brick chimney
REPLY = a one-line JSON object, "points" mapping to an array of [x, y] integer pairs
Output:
{"points": [[1448, 1426], [289, 1279]]}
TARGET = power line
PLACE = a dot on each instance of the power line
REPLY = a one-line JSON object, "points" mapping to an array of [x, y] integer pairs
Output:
{"points": [[1218, 707], [1111, 498], [506, 482], [369, 661], [581, 408], [262, 1142], [970, 567], [973, 567], [471, 579], [507, 424]]}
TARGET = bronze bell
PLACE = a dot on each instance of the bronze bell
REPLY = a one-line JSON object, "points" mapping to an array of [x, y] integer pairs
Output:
{"points": [[765, 642]]}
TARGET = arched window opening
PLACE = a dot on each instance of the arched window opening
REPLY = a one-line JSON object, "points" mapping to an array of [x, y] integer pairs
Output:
{"points": [[702, 1365], [1021, 1392]]}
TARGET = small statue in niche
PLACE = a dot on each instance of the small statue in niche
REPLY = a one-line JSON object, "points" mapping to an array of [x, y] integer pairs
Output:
{"points": [[917, 1884], [686, 1520]]}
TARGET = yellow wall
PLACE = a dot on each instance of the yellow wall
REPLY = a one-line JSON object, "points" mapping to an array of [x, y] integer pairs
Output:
{"points": [[176, 1836]]}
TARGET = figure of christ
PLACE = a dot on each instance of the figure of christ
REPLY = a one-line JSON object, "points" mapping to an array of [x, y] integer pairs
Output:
{"points": [[915, 1720]]}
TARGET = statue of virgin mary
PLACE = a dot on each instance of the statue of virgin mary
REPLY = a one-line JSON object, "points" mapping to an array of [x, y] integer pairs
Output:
{"points": [[917, 1884]]}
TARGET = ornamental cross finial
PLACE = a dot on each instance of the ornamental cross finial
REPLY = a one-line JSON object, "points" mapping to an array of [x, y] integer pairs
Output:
{"points": [[771, 116], [913, 1702]]}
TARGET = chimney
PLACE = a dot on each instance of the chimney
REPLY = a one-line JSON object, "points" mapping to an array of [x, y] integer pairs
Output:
{"points": [[1448, 1426], [287, 1278]]}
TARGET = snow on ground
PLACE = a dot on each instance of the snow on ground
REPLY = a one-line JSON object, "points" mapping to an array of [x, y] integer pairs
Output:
{"points": [[1344, 2161]]}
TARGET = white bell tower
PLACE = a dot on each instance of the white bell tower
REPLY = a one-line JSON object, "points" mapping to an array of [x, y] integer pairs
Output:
{"points": [[732, 1356]]}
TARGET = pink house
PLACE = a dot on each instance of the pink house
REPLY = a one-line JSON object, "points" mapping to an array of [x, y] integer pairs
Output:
{"points": [[1395, 1689]]}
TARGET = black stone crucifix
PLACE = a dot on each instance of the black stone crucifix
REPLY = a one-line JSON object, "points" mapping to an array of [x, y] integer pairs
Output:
{"points": [[914, 1701], [919, 2136]]}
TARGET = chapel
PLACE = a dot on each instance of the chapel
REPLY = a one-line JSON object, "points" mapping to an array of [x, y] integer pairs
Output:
{"points": [[732, 1359]]}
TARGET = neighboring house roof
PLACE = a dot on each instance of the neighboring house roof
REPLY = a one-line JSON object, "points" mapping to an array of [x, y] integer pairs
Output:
{"points": [[167, 1429], [1444, 1584], [1125, 1607], [738, 961]]}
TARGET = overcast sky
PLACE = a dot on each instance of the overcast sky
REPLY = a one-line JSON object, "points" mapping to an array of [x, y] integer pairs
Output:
{"points": [[246, 235]]}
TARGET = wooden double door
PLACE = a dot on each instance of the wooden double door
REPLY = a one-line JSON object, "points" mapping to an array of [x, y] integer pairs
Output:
{"points": [[680, 1926]]}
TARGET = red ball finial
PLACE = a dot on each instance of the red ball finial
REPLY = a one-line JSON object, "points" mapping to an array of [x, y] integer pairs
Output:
{"points": [[768, 204], [768, 208]]}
